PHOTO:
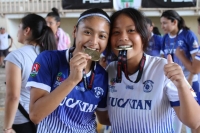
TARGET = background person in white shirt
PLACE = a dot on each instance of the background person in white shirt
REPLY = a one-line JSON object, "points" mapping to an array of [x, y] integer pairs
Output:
{"points": [[4, 45]]}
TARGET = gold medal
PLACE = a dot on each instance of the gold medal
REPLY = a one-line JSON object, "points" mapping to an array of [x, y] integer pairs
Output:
{"points": [[93, 53], [124, 48]]}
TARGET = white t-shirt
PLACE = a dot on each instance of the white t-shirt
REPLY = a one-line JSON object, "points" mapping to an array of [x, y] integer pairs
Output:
{"points": [[4, 41], [23, 58], [143, 107]]}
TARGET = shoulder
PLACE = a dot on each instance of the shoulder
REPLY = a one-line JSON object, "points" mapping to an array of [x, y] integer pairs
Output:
{"points": [[157, 36], [100, 69], [155, 62], [53, 53], [188, 32], [165, 36], [53, 56], [112, 67]]}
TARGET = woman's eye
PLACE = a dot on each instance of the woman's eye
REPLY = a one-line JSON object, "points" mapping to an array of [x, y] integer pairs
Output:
{"points": [[115, 32], [87, 32], [131, 30], [103, 37]]}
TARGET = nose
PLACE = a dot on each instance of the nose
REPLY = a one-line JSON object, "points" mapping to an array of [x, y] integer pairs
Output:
{"points": [[48, 24], [94, 40], [123, 37]]}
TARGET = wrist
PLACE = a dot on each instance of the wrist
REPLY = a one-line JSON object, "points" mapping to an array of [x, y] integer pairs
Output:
{"points": [[7, 130], [72, 81]]}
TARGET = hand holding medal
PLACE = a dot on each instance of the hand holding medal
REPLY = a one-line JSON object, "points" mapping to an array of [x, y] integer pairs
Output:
{"points": [[93, 53]]}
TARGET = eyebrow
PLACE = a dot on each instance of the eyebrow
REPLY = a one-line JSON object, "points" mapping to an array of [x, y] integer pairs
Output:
{"points": [[126, 26], [86, 27]]}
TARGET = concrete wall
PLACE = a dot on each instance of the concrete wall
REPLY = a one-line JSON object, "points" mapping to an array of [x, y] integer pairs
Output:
{"points": [[68, 24]]}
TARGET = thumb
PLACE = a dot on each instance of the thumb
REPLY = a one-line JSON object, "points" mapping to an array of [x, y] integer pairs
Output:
{"points": [[169, 59]]}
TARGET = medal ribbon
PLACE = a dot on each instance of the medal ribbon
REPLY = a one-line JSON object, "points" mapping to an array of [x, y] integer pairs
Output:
{"points": [[122, 66]]}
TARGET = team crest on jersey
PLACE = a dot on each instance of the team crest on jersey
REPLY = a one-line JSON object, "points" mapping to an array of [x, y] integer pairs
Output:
{"points": [[35, 69], [180, 43], [98, 92], [148, 86], [60, 77], [195, 44]]}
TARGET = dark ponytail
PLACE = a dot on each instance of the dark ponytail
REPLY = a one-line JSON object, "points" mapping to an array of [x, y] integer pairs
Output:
{"points": [[182, 25], [54, 14], [173, 15], [42, 35], [46, 39]]}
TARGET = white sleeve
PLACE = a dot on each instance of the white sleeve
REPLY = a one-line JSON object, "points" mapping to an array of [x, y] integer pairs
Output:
{"points": [[172, 93]]}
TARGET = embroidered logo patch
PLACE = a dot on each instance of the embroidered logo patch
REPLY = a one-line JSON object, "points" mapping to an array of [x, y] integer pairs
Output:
{"points": [[129, 87], [35, 69], [112, 89], [113, 81], [180, 43], [60, 77], [148, 86], [98, 92]]}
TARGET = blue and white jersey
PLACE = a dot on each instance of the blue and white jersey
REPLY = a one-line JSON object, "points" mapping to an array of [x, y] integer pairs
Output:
{"points": [[154, 46], [187, 41], [111, 57], [143, 107], [75, 114], [197, 56]]}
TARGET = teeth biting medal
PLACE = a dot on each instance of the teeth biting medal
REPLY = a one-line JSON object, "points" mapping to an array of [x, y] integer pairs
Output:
{"points": [[124, 47]]}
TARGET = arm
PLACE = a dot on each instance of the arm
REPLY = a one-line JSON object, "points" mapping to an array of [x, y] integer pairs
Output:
{"points": [[39, 107], [190, 65], [188, 111], [103, 117], [13, 87], [11, 41]]}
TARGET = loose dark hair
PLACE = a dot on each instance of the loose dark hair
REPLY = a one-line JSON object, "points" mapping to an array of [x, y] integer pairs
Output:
{"points": [[140, 25], [90, 11], [173, 15], [148, 20], [54, 14], [198, 20], [156, 31], [42, 35]]}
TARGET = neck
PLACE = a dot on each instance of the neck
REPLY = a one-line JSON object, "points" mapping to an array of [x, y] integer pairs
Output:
{"points": [[133, 64], [174, 32], [29, 43]]}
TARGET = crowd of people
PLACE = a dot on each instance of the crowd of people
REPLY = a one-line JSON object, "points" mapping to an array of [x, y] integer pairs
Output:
{"points": [[143, 82]]}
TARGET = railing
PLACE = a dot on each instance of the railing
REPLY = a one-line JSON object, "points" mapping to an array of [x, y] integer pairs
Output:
{"points": [[24, 6], [44, 6]]}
